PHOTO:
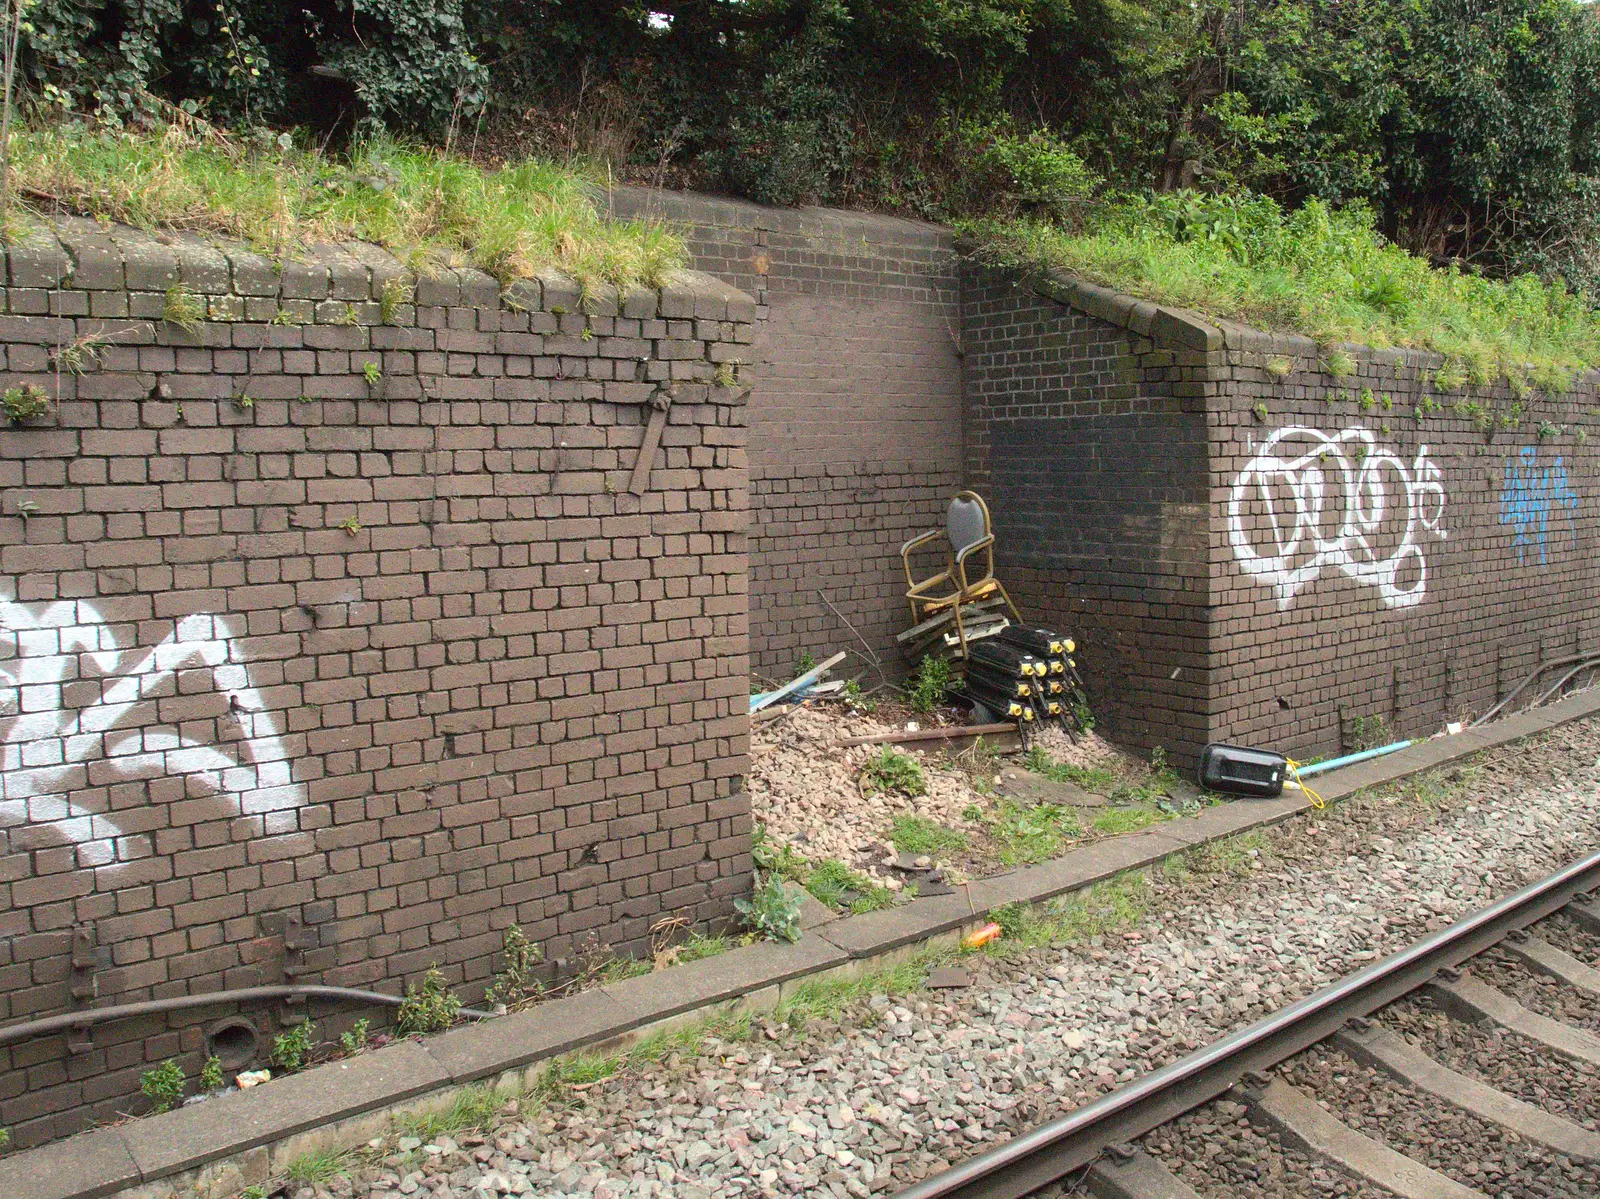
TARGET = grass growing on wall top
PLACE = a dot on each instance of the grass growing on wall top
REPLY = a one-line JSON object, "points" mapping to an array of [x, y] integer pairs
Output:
{"points": [[1318, 271], [425, 207]]}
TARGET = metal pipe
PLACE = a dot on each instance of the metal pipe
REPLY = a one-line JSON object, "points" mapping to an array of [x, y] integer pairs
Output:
{"points": [[1034, 1159], [122, 1011], [1590, 656], [1564, 680], [1331, 763]]}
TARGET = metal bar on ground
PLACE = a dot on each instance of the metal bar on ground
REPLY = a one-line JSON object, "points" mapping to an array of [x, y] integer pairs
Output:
{"points": [[953, 733]]}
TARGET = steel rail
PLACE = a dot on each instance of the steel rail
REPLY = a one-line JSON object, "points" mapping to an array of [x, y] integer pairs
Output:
{"points": [[1048, 1153]]}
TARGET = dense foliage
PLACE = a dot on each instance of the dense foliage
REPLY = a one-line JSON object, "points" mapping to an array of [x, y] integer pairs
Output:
{"points": [[1470, 128]]}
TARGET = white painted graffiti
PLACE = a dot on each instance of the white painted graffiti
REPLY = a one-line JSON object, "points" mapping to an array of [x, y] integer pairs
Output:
{"points": [[82, 712], [1335, 500]]}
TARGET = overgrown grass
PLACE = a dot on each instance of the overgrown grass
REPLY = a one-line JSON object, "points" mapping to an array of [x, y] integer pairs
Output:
{"points": [[838, 886], [1318, 271], [1112, 821], [427, 208], [1090, 778], [919, 835], [1107, 907]]}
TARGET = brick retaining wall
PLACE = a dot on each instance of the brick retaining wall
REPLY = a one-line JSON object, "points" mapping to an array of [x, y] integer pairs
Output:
{"points": [[855, 421], [309, 674], [1156, 482]]}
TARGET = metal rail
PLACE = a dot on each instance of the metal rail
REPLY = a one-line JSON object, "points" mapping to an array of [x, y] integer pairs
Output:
{"points": [[1050, 1152]]}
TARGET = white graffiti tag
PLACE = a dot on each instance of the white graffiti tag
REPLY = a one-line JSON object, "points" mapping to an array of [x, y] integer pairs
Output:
{"points": [[1335, 500], [81, 715]]}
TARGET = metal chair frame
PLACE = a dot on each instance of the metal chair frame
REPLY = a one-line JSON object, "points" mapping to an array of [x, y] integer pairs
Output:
{"points": [[920, 594]]}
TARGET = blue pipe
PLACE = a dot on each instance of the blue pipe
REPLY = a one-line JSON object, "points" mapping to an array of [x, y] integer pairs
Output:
{"points": [[1331, 763]]}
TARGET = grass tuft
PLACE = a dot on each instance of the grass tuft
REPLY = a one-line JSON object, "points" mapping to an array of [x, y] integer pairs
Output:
{"points": [[431, 210], [919, 835]]}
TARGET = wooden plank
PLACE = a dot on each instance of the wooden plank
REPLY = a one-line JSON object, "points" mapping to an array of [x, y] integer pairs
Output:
{"points": [[640, 482]]}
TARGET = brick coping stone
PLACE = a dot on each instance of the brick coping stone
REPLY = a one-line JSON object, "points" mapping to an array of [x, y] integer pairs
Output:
{"points": [[216, 1148]]}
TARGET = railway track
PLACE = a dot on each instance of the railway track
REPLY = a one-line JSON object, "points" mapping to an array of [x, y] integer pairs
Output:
{"points": [[1466, 1066]]}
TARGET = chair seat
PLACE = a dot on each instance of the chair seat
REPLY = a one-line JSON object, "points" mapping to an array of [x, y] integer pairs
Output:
{"points": [[935, 603]]}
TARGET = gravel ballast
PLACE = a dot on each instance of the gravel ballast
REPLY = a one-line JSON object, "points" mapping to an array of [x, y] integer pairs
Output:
{"points": [[1219, 1153], [1439, 1135], [1565, 933], [895, 1089], [1521, 1068], [1538, 992]]}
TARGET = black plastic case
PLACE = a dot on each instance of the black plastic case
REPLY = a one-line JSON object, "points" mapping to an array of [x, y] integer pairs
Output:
{"points": [[1236, 770]]}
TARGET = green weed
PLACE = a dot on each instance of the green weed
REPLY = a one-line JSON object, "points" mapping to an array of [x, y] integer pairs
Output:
{"points": [[1031, 834], [1112, 906], [432, 1007], [892, 770], [1098, 779], [184, 309], [291, 1049], [24, 403], [781, 860], [1112, 821], [211, 1075], [396, 293], [312, 1169], [773, 909], [354, 1040], [520, 959], [162, 1085], [835, 884], [927, 688]]}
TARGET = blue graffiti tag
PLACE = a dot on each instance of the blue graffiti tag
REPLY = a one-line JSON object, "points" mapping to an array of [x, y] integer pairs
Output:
{"points": [[1531, 493]]}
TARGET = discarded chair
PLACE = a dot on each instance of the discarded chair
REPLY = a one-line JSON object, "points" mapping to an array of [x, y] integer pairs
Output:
{"points": [[969, 533]]}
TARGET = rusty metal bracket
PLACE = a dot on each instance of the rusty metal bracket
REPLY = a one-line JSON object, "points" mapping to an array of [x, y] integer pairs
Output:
{"points": [[83, 985], [281, 954], [659, 403]]}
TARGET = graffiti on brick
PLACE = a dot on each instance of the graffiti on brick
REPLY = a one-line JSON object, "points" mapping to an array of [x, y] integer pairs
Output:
{"points": [[85, 710], [1309, 501], [1531, 496]]}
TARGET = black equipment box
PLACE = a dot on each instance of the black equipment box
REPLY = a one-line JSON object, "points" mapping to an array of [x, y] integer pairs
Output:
{"points": [[1235, 770]]}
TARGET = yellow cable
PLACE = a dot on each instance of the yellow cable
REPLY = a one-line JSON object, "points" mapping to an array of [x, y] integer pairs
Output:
{"points": [[1316, 800]]}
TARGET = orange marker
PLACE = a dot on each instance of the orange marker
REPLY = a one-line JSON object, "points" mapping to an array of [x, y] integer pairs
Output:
{"points": [[989, 932]]}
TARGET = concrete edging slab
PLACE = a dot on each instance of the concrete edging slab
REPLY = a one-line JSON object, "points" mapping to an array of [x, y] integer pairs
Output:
{"points": [[216, 1148]]}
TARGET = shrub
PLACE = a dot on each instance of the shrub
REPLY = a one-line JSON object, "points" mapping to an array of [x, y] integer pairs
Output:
{"points": [[892, 770], [432, 1007], [926, 690], [211, 1075], [291, 1049], [162, 1085], [517, 979], [773, 909]]}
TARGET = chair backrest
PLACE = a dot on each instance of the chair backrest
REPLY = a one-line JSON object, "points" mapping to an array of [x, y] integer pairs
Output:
{"points": [[968, 521]]}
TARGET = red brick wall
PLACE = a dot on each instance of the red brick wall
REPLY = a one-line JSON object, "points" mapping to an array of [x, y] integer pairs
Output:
{"points": [[400, 660], [856, 418]]}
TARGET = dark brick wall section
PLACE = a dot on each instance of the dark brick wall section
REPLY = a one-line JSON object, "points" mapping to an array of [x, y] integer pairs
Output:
{"points": [[1448, 560], [1096, 480], [856, 418], [309, 673], [1259, 551]]}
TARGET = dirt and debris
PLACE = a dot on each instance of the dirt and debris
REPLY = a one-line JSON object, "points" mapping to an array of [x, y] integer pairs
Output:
{"points": [[919, 814]]}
